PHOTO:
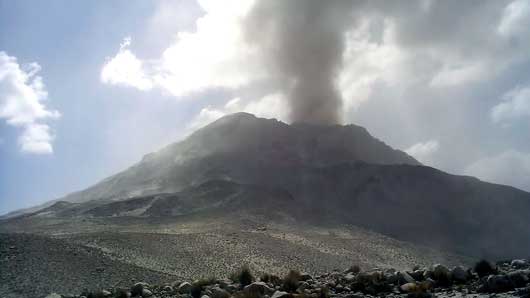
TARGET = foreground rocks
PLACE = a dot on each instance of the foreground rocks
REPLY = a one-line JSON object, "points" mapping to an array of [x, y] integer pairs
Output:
{"points": [[504, 279]]}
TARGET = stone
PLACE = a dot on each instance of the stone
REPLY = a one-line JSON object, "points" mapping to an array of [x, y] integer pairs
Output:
{"points": [[184, 288], [405, 278], [281, 294], [219, 293], [498, 284], [519, 264], [53, 295], [349, 277], [408, 287], [205, 296], [305, 277], [167, 288], [258, 288], [105, 293], [459, 274], [418, 275], [136, 290], [146, 293], [518, 278]]}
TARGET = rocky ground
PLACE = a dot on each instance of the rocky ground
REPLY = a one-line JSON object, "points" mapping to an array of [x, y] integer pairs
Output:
{"points": [[485, 279], [66, 257]]}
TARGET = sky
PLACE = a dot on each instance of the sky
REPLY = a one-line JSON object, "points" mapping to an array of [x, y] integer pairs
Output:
{"points": [[87, 88]]}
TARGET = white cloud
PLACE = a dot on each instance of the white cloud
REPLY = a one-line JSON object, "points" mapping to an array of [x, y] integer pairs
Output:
{"points": [[269, 106], [510, 167], [215, 55], [21, 95], [454, 75], [424, 151], [125, 69], [515, 20], [515, 104]]}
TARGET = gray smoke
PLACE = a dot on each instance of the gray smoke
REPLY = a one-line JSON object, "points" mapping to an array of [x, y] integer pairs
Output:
{"points": [[303, 43]]}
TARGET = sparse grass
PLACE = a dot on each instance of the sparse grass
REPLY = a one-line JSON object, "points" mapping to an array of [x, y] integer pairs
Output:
{"points": [[243, 276], [291, 281]]}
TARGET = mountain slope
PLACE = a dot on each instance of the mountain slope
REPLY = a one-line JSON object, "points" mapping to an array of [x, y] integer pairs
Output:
{"points": [[320, 175], [178, 165]]}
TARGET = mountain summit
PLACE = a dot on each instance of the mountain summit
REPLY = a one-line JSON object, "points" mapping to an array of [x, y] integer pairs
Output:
{"points": [[319, 175], [243, 139]]}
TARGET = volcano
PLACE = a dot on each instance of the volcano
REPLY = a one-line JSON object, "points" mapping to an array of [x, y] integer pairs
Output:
{"points": [[242, 173]]}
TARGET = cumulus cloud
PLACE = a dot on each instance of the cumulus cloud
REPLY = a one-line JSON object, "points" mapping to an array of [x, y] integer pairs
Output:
{"points": [[22, 93], [515, 105], [510, 167], [125, 69], [214, 56], [424, 151]]}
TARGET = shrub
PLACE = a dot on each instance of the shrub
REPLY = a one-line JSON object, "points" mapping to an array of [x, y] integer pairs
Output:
{"points": [[243, 276], [291, 281], [485, 268]]}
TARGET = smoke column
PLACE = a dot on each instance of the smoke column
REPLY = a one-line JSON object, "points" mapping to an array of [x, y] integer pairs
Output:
{"points": [[303, 43]]}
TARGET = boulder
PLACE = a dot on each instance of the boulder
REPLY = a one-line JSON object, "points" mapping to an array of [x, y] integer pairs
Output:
{"points": [[281, 294], [258, 288], [305, 277], [409, 287], [219, 293], [184, 288], [518, 278], [498, 283], [459, 274], [520, 264], [146, 293], [405, 278], [136, 290]]}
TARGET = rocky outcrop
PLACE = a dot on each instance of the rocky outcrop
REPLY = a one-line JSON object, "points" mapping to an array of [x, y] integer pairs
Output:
{"points": [[512, 279]]}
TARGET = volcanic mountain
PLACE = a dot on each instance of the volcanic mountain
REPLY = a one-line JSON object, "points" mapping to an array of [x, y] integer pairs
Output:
{"points": [[314, 175]]}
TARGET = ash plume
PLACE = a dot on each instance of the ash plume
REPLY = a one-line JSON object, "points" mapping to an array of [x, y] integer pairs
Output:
{"points": [[303, 43]]}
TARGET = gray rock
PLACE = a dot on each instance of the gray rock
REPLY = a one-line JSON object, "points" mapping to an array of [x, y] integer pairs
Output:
{"points": [[105, 293], [184, 288], [281, 294], [205, 296], [518, 278], [168, 288], [53, 295], [136, 290], [349, 277], [405, 278], [305, 277], [520, 264], [146, 293], [258, 288], [459, 274], [219, 293], [498, 283], [408, 287]]}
